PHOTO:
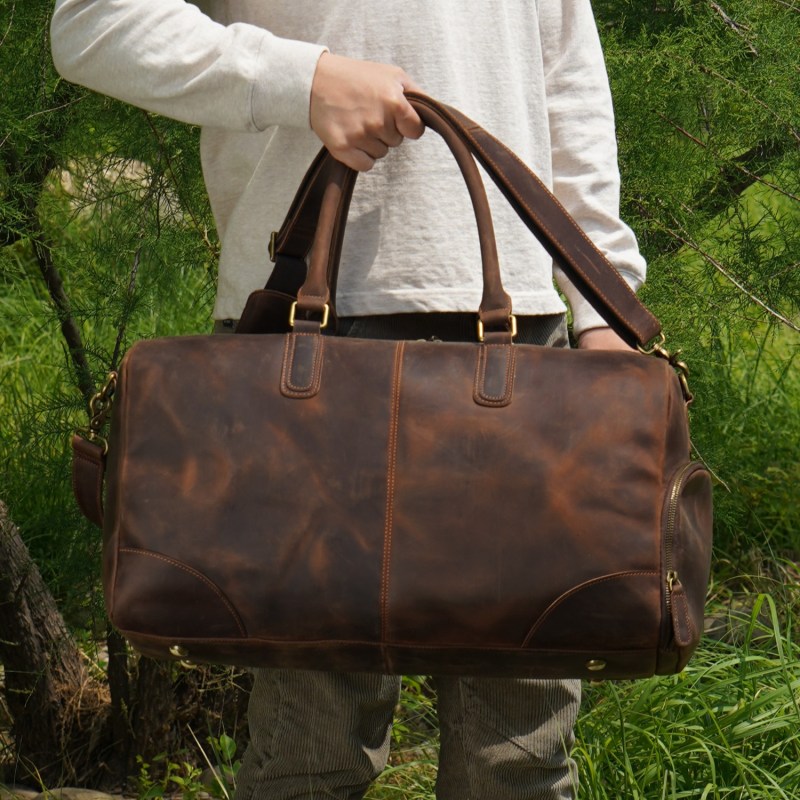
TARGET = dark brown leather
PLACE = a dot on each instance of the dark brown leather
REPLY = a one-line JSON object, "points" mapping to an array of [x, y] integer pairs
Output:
{"points": [[302, 500], [88, 465], [536, 206]]}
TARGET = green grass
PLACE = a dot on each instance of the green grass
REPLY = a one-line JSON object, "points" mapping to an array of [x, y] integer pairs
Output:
{"points": [[727, 728]]}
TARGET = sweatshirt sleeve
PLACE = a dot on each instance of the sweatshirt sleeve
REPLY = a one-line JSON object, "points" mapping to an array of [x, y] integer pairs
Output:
{"points": [[584, 147], [167, 56]]}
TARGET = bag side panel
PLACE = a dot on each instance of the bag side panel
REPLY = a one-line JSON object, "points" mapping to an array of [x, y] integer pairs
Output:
{"points": [[501, 511], [278, 500]]}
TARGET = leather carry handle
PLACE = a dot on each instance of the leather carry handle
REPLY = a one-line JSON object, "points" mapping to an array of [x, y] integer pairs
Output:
{"points": [[495, 306], [590, 271]]}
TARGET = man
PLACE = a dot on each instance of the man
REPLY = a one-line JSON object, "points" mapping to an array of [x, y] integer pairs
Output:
{"points": [[269, 80]]}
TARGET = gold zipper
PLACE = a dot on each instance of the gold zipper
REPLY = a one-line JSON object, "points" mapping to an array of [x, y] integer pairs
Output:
{"points": [[672, 574]]}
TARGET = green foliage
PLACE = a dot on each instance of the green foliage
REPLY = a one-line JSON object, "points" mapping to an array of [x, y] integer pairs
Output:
{"points": [[411, 773], [188, 780], [111, 201], [706, 97], [728, 727]]}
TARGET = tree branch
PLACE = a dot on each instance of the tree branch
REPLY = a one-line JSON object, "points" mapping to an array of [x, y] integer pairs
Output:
{"points": [[708, 71], [737, 27], [176, 183], [735, 163], [69, 327], [726, 274]]}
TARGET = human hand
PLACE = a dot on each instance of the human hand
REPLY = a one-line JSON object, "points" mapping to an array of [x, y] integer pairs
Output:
{"points": [[602, 339], [359, 110]]}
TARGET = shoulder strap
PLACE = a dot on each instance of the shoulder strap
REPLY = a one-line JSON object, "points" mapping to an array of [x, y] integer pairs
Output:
{"points": [[590, 271]]}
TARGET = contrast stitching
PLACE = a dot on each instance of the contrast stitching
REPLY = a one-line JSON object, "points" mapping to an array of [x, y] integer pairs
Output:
{"points": [[575, 590], [314, 297], [576, 230], [689, 624], [390, 479], [287, 386], [253, 642], [479, 386], [191, 571]]}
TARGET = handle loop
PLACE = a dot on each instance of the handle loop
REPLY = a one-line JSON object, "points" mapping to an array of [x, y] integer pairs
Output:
{"points": [[545, 217]]}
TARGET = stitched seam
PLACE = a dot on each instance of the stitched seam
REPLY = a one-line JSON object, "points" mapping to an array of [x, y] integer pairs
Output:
{"points": [[557, 602], [577, 229], [511, 371], [314, 370], [122, 443], [313, 297], [211, 585], [287, 387], [255, 641], [390, 479], [689, 625], [480, 377]]}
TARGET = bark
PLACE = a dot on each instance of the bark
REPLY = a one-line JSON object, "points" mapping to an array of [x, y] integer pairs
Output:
{"points": [[58, 710], [69, 728]]}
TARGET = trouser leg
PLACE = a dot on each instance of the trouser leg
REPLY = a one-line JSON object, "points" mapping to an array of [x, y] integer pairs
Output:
{"points": [[316, 734], [506, 739]]}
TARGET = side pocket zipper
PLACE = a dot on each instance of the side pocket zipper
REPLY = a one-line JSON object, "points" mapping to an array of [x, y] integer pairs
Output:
{"points": [[676, 600]]}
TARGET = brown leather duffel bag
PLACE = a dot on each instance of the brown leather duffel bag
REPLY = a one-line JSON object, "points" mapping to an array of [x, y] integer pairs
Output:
{"points": [[299, 499]]}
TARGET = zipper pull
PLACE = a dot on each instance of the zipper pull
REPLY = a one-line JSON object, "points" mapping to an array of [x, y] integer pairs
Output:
{"points": [[682, 627]]}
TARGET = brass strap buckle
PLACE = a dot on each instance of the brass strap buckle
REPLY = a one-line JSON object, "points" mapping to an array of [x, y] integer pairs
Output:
{"points": [[657, 349], [512, 323], [325, 314], [100, 407]]}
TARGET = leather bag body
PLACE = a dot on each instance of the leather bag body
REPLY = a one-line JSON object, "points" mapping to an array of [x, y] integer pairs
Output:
{"points": [[298, 499]]}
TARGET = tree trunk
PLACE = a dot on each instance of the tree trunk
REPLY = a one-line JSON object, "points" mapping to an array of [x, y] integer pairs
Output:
{"points": [[58, 710], [69, 728]]}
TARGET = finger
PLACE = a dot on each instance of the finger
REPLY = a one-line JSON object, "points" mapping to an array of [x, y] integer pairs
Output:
{"points": [[407, 121], [355, 159], [376, 148], [410, 85], [390, 136]]}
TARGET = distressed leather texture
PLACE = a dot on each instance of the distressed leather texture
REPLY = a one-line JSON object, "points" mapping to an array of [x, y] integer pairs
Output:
{"points": [[299, 499]]}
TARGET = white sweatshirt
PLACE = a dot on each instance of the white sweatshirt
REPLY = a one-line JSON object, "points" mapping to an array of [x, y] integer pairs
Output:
{"points": [[529, 71]]}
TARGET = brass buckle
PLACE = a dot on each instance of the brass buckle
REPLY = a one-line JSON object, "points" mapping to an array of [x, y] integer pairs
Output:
{"points": [[657, 349], [273, 243], [512, 321], [325, 314], [100, 407], [95, 438]]}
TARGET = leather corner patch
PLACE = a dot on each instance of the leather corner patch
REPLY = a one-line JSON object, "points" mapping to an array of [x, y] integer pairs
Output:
{"points": [[302, 365], [494, 375]]}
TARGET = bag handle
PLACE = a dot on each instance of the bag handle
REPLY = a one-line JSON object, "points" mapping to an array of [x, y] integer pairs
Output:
{"points": [[315, 294], [591, 272]]}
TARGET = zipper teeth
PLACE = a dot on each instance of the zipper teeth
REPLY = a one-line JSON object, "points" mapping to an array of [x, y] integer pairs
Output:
{"points": [[671, 517]]}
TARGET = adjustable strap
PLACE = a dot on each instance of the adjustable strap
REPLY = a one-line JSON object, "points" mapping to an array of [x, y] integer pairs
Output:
{"points": [[88, 468], [591, 272]]}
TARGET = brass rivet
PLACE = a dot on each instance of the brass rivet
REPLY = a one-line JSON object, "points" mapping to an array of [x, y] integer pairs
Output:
{"points": [[178, 651], [595, 665]]}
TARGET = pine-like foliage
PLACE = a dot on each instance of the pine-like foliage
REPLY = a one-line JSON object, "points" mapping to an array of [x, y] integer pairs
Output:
{"points": [[707, 99], [105, 237]]}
